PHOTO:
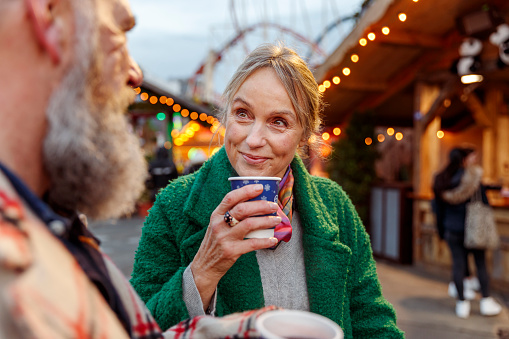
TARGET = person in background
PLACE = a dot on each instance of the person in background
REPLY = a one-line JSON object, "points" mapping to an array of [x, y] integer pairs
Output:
{"points": [[453, 188], [195, 162], [193, 259], [161, 171], [65, 149]]}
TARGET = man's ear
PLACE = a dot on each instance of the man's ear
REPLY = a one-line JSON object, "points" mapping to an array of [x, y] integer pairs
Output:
{"points": [[46, 26]]}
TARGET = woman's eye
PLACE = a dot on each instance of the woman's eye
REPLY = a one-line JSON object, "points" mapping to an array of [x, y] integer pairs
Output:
{"points": [[280, 123], [241, 113]]}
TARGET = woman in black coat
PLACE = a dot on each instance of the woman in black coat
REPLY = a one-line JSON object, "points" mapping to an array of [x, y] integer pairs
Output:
{"points": [[453, 188]]}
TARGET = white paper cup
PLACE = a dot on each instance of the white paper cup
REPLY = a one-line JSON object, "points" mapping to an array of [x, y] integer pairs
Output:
{"points": [[270, 193], [291, 324]]}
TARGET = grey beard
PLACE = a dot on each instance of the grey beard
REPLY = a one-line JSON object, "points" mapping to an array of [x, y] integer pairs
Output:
{"points": [[94, 164]]}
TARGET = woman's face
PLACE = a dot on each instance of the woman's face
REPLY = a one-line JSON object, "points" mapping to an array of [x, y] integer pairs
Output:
{"points": [[262, 131]]}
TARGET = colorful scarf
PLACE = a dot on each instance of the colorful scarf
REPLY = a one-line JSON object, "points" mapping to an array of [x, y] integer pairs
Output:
{"points": [[283, 231]]}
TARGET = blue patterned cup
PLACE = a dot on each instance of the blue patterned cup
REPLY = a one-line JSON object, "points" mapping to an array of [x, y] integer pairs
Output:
{"points": [[270, 193]]}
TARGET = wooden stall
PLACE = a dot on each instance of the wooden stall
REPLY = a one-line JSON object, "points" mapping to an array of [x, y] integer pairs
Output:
{"points": [[401, 61]]}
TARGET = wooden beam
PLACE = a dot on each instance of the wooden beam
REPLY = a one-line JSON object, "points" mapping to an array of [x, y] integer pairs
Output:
{"points": [[411, 38], [405, 77], [437, 107], [475, 106], [361, 86]]}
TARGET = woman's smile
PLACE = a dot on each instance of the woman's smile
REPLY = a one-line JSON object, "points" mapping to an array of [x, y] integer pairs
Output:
{"points": [[252, 159]]}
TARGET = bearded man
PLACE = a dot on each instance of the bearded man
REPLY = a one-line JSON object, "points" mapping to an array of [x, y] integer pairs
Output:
{"points": [[65, 149]]}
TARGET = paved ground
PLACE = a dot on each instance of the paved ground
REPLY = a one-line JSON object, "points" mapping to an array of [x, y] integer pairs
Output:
{"points": [[424, 310]]}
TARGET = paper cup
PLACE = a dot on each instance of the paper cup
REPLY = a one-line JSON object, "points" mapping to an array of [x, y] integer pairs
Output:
{"points": [[270, 193], [291, 324]]}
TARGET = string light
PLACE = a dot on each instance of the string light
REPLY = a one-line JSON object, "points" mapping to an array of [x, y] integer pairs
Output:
{"points": [[447, 103], [153, 100], [363, 42], [321, 88], [326, 83], [325, 150], [381, 138], [184, 113], [399, 136], [386, 30], [371, 36], [440, 134], [203, 117], [354, 58], [325, 136], [337, 131], [194, 116], [402, 17], [137, 90], [162, 99], [144, 96], [195, 126], [368, 141], [346, 71], [336, 80], [169, 101], [390, 131]]}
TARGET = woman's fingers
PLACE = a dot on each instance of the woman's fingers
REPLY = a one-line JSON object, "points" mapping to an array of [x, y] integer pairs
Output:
{"points": [[252, 224], [239, 195], [248, 209]]}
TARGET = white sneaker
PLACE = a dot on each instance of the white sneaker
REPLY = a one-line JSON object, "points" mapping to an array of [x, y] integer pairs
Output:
{"points": [[472, 283], [468, 293], [463, 308], [490, 307]]}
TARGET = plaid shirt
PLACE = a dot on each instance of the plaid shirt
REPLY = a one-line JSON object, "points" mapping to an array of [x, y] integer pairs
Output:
{"points": [[45, 292]]}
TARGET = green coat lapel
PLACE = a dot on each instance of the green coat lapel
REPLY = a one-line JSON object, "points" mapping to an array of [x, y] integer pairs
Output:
{"points": [[327, 260]]}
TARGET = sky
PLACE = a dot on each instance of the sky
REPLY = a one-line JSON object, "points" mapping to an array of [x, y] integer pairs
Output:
{"points": [[173, 38]]}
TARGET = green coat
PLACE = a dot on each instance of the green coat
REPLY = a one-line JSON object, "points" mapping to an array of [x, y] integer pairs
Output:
{"points": [[340, 270]]}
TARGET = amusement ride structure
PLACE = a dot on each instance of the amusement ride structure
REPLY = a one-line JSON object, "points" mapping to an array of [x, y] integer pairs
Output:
{"points": [[311, 28]]}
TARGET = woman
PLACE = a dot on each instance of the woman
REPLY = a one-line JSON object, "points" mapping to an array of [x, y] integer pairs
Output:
{"points": [[453, 188], [193, 258]]}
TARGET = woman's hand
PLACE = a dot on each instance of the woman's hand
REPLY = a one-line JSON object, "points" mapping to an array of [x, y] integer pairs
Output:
{"points": [[223, 245]]}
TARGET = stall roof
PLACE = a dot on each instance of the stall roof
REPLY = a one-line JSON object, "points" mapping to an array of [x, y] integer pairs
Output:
{"points": [[422, 48], [156, 87]]}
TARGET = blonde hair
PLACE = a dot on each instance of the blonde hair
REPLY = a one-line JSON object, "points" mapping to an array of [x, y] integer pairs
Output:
{"points": [[297, 79]]}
